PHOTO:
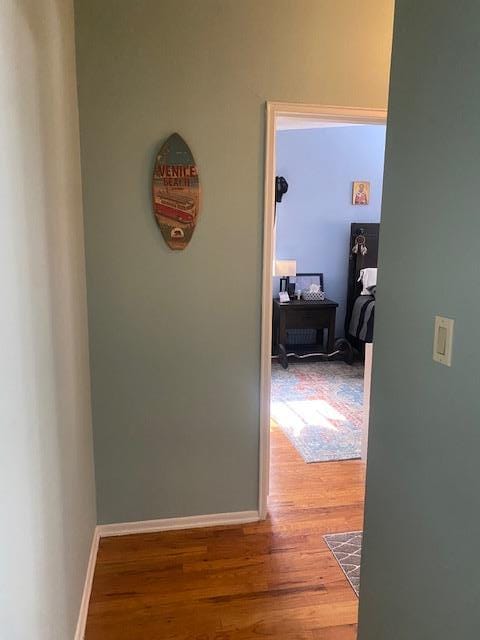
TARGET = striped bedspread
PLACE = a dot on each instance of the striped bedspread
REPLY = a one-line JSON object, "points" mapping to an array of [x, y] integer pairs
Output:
{"points": [[363, 316]]}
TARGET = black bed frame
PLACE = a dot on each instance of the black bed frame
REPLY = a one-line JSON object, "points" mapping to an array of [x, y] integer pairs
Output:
{"points": [[356, 262]]}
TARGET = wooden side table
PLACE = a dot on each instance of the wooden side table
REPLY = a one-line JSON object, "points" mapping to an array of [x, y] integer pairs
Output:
{"points": [[302, 314]]}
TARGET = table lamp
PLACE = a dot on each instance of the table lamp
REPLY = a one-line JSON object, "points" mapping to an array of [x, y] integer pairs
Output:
{"points": [[285, 269]]}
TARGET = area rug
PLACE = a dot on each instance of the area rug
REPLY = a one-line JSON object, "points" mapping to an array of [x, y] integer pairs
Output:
{"points": [[319, 407], [347, 549]]}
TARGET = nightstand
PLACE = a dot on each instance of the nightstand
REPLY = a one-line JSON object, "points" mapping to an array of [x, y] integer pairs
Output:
{"points": [[303, 314]]}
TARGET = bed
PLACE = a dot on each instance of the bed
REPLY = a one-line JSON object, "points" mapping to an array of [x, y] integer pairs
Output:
{"points": [[362, 269]]}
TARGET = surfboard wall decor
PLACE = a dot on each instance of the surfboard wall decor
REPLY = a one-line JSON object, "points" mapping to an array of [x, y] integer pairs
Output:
{"points": [[176, 192]]}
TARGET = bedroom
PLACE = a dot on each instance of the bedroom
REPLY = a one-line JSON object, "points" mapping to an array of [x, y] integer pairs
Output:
{"points": [[327, 219]]}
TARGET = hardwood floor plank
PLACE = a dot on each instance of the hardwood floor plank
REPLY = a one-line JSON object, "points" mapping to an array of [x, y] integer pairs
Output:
{"points": [[271, 579]]}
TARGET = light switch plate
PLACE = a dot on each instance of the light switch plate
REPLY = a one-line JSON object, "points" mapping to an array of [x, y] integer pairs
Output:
{"points": [[443, 340]]}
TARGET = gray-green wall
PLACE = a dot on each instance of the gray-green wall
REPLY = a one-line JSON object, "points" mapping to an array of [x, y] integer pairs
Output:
{"points": [[175, 337], [47, 493], [420, 568]]}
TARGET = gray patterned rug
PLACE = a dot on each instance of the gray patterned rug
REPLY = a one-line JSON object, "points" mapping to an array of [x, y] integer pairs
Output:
{"points": [[347, 549]]}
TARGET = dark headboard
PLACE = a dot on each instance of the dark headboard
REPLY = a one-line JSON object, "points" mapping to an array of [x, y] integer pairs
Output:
{"points": [[357, 261]]}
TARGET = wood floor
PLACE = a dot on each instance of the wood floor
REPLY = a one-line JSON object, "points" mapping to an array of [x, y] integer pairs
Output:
{"points": [[273, 579]]}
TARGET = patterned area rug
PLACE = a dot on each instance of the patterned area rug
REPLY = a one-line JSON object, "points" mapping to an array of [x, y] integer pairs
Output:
{"points": [[347, 549], [319, 407]]}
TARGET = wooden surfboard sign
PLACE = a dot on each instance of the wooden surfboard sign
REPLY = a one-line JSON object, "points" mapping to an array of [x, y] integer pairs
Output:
{"points": [[176, 192]]}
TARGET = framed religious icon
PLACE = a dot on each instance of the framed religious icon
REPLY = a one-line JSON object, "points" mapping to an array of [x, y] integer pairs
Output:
{"points": [[361, 192]]}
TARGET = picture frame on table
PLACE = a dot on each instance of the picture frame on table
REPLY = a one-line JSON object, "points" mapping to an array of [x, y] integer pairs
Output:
{"points": [[304, 280]]}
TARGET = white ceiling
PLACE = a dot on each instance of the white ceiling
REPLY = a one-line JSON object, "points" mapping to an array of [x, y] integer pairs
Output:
{"points": [[287, 123]]}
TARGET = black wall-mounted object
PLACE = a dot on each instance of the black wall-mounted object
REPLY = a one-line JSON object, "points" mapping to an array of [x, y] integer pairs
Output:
{"points": [[281, 187]]}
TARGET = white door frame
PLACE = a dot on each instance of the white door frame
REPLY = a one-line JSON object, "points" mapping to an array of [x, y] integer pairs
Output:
{"points": [[275, 110]]}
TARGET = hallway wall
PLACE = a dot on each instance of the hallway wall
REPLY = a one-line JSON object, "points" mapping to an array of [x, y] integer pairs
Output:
{"points": [[419, 571], [47, 514], [175, 337]]}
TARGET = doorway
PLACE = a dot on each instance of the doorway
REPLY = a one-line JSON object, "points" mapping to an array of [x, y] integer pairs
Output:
{"points": [[323, 186], [275, 113]]}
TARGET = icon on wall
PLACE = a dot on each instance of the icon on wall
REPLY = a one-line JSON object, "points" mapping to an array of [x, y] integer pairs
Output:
{"points": [[361, 192], [176, 192]]}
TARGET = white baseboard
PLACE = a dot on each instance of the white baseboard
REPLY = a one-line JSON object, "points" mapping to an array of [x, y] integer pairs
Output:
{"points": [[87, 589], [170, 524]]}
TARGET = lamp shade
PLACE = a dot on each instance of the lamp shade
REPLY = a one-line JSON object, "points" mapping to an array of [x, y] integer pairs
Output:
{"points": [[285, 268]]}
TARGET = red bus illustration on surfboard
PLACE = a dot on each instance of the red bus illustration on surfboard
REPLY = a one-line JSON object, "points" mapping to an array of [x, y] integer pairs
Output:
{"points": [[176, 192]]}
